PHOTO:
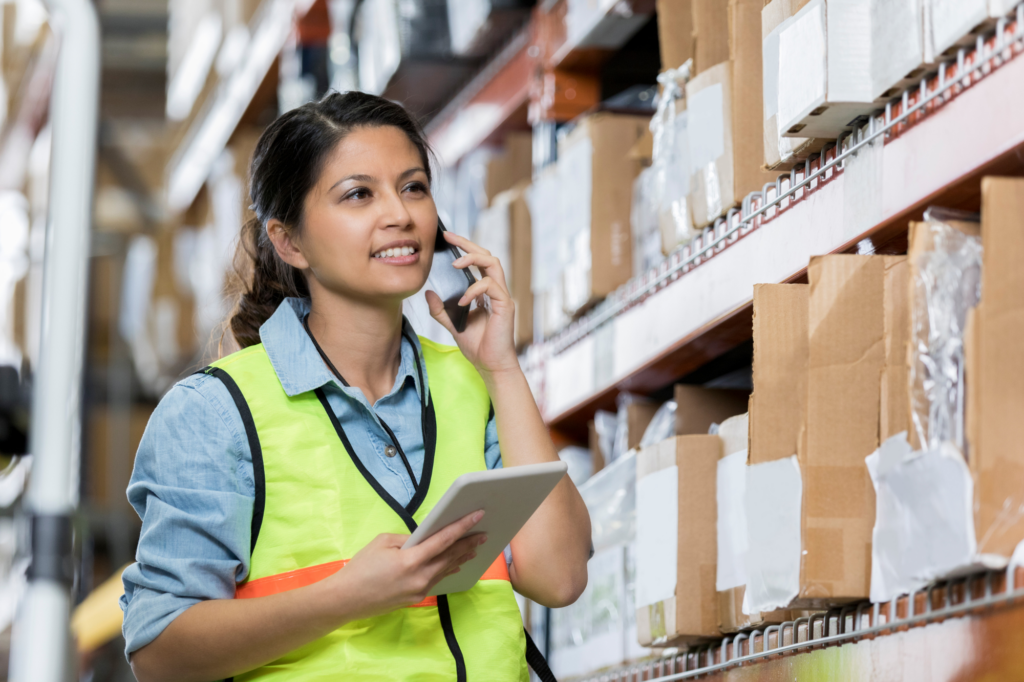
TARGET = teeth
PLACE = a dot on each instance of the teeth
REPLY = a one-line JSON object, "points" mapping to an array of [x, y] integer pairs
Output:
{"points": [[395, 252]]}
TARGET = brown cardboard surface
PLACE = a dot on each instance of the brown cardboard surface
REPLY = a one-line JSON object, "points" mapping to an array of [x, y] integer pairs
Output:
{"points": [[846, 356], [698, 408], [612, 176], [997, 453], [511, 166], [518, 271], [638, 416], [675, 32], [739, 169], [710, 34], [692, 614], [744, 18], [895, 392], [781, 355]]}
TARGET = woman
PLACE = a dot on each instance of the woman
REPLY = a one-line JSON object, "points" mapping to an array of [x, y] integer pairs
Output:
{"points": [[324, 441]]}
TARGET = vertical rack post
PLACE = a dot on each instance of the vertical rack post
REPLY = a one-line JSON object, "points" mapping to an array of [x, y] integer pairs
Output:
{"points": [[41, 647]]}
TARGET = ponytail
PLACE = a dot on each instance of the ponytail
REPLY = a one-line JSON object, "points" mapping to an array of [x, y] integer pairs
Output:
{"points": [[261, 280]]}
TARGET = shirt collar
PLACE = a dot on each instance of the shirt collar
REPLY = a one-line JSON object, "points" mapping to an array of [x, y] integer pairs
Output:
{"points": [[299, 366]]}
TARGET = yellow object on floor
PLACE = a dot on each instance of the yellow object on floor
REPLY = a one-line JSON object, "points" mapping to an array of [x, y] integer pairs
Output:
{"points": [[97, 620]]}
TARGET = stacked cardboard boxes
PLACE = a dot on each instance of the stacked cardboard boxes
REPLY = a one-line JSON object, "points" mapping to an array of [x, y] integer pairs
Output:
{"points": [[724, 104]]}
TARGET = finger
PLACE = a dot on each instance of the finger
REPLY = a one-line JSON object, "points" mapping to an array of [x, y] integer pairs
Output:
{"points": [[438, 312], [449, 535], [465, 244], [488, 264], [488, 286]]}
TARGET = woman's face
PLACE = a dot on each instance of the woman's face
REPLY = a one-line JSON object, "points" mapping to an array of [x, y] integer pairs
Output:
{"points": [[370, 221]]}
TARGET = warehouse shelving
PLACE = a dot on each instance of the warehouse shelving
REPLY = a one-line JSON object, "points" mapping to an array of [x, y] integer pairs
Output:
{"points": [[931, 145], [962, 628]]}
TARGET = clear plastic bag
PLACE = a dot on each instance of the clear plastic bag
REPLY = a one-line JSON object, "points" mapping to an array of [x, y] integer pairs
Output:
{"points": [[946, 284], [643, 222], [671, 160]]}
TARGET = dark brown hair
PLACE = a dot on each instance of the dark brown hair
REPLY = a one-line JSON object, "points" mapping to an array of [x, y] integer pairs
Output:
{"points": [[286, 165]]}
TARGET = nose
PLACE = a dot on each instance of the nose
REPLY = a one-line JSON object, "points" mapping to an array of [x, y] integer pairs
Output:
{"points": [[394, 212]]}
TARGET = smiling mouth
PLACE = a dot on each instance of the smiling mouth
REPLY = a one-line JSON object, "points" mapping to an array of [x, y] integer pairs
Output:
{"points": [[396, 252]]}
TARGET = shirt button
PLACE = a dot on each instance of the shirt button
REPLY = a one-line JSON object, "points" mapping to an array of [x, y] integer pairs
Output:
{"points": [[390, 451]]}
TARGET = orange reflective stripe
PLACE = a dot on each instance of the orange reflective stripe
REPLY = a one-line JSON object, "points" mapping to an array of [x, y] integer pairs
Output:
{"points": [[282, 582]]}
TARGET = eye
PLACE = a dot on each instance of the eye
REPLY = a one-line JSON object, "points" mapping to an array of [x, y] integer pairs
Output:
{"points": [[358, 194], [416, 187]]}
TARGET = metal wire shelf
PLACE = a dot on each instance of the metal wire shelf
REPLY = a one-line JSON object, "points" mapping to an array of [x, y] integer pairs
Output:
{"points": [[971, 594], [991, 50]]}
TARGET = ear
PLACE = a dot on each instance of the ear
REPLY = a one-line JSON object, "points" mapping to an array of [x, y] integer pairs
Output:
{"points": [[288, 248]]}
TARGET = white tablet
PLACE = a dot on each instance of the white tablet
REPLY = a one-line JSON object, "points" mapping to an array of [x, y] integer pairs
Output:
{"points": [[508, 497]]}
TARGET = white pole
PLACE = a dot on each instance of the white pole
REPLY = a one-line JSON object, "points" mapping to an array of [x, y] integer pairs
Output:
{"points": [[41, 647]]}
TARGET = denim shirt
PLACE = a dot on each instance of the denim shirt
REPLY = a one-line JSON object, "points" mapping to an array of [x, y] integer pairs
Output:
{"points": [[193, 486]]}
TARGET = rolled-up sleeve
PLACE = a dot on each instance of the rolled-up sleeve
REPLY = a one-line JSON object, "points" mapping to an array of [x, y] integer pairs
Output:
{"points": [[192, 486]]}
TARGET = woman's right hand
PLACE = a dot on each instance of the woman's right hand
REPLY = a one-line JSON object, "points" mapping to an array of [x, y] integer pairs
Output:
{"points": [[383, 577]]}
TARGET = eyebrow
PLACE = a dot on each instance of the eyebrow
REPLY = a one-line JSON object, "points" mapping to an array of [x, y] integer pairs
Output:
{"points": [[361, 177]]}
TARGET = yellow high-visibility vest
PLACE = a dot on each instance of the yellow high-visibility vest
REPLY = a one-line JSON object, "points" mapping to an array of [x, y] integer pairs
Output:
{"points": [[316, 506]]}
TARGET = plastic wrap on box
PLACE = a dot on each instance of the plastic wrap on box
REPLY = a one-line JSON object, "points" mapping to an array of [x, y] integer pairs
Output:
{"points": [[946, 285], [465, 19], [581, 464], [595, 632], [924, 516], [671, 161], [380, 46], [575, 187], [643, 222]]}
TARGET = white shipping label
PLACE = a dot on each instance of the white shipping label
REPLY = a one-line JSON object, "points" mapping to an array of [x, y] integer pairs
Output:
{"points": [[770, 70], [706, 126], [657, 536], [802, 65], [924, 518], [774, 496], [732, 521], [542, 197], [575, 188]]}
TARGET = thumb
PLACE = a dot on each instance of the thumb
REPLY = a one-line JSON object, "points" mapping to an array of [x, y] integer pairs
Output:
{"points": [[438, 312]]}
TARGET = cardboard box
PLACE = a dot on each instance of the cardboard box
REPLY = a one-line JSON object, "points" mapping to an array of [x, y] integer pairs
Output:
{"points": [[638, 417], [698, 408], [995, 427], [781, 355], [725, 125], [675, 32], [595, 197], [840, 59], [710, 34], [504, 229], [895, 392], [846, 357], [780, 153], [511, 166], [676, 601]]}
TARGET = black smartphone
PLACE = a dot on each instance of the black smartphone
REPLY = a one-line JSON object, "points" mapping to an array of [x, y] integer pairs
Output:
{"points": [[449, 282]]}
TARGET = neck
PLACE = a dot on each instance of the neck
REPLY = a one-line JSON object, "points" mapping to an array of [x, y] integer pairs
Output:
{"points": [[364, 341]]}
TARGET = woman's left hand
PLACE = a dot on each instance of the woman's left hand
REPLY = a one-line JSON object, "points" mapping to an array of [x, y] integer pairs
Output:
{"points": [[487, 341]]}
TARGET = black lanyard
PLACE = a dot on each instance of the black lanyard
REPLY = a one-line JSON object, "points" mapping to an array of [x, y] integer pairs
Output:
{"points": [[391, 434]]}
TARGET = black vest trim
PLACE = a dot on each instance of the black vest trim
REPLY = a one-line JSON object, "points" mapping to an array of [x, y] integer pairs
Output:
{"points": [[258, 475]]}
